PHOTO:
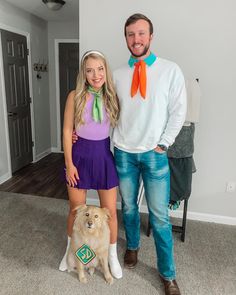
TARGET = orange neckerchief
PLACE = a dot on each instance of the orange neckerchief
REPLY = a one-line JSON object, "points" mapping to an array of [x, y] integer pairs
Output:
{"points": [[139, 79], [139, 75]]}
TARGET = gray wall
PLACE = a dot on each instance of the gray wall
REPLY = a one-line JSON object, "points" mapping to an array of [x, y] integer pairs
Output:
{"points": [[200, 37], [39, 49]]}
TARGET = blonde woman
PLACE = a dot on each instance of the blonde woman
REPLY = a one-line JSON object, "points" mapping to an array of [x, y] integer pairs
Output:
{"points": [[92, 108]]}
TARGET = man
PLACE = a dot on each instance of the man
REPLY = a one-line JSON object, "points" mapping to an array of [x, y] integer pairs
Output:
{"points": [[152, 99]]}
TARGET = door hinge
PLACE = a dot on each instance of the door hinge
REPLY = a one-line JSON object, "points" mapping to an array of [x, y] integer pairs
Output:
{"points": [[27, 51], [30, 99], [32, 143]]}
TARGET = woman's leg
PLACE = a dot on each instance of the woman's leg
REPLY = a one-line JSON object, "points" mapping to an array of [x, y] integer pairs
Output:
{"points": [[108, 200], [76, 197]]}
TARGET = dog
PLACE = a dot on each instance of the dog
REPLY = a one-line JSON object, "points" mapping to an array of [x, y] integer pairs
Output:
{"points": [[90, 236]]}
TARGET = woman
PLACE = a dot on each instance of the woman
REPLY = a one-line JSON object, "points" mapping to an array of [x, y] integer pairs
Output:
{"points": [[91, 109]]}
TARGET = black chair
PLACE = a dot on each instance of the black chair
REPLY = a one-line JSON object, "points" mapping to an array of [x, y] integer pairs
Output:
{"points": [[175, 228]]}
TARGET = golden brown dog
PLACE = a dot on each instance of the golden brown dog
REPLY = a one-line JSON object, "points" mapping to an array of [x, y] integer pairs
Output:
{"points": [[90, 232]]}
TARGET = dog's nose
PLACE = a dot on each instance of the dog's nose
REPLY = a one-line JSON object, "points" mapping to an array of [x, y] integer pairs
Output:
{"points": [[90, 223]]}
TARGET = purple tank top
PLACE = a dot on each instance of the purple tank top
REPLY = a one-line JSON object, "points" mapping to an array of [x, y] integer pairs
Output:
{"points": [[91, 129]]}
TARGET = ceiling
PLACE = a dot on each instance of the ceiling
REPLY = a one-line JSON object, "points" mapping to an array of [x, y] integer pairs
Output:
{"points": [[70, 11]]}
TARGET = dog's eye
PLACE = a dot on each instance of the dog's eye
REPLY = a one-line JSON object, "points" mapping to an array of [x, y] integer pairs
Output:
{"points": [[87, 214], [96, 216]]}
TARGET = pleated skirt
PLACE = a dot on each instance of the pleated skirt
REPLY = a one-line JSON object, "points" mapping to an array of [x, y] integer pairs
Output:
{"points": [[95, 164]]}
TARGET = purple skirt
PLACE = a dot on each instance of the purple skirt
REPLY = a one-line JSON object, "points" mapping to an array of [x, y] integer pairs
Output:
{"points": [[95, 164]]}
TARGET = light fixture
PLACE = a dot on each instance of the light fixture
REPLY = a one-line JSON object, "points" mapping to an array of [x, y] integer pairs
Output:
{"points": [[54, 4]]}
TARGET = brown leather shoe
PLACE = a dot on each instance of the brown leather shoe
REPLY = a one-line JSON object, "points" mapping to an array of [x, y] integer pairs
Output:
{"points": [[171, 287], [130, 258]]}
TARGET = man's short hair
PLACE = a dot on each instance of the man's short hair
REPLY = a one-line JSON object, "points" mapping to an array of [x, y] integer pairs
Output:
{"points": [[134, 18]]}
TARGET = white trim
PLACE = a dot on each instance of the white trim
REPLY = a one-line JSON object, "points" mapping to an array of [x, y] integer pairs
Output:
{"points": [[31, 96], [9, 171], [179, 214], [205, 217], [13, 29], [56, 150], [5, 177], [56, 44], [27, 35], [143, 209], [42, 155], [191, 215], [46, 153]]}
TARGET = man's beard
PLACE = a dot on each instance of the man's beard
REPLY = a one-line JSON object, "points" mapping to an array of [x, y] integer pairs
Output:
{"points": [[145, 50]]}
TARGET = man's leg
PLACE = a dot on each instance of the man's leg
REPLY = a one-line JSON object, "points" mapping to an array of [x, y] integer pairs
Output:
{"points": [[156, 178], [128, 172]]}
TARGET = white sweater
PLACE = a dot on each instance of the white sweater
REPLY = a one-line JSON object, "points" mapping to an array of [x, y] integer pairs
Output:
{"points": [[144, 123]]}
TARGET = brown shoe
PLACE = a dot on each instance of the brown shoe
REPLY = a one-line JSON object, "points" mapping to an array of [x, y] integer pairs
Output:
{"points": [[131, 258], [171, 287]]}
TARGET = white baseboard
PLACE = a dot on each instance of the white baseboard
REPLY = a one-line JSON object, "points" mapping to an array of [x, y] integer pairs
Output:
{"points": [[179, 214], [38, 157], [42, 155], [47, 152], [5, 177], [205, 217], [56, 150]]}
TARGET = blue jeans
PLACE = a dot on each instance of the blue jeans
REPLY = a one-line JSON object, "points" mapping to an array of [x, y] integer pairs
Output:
{"points": [[153, 167]]}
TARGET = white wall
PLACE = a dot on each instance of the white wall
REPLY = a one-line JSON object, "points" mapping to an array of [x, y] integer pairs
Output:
{"points": [[12, 18], [199, 36]]}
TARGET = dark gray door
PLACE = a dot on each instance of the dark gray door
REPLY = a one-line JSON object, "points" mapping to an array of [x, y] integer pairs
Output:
{"points": [[68, 70], [15, 63]]}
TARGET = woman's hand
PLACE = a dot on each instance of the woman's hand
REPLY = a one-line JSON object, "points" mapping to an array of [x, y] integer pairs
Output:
{"points": [[72, 175]]}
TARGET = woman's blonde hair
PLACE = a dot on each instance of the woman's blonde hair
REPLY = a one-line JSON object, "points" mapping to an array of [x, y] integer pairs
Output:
{"points": [[110, 99]]}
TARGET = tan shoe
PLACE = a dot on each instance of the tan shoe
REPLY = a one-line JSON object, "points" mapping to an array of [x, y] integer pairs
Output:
{"points": [[171, 287], [130, 258]]}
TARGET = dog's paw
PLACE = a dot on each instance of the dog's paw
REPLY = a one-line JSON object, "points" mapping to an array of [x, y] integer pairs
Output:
{"points": [[91, 270], [83, 280], [109, 280], [74, 269]]}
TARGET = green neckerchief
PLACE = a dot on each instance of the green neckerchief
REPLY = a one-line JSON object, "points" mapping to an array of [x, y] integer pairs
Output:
{"points": [[97, 104], [148, 60]]}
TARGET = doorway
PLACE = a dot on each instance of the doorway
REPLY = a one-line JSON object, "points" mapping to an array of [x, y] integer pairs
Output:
{"points": [[67, 68], [15, 67]]}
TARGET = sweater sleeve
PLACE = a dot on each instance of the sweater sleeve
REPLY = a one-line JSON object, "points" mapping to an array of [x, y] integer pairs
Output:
{"points": [[177, 107]]}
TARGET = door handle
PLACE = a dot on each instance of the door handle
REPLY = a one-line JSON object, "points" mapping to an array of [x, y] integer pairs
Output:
{"points": [[11, 114]]}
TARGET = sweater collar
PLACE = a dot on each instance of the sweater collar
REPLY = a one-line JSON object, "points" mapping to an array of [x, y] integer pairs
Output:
{"points": [[148, 60]]}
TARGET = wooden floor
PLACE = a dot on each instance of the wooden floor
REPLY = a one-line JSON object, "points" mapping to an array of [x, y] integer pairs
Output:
{"points": [[43, 178]]}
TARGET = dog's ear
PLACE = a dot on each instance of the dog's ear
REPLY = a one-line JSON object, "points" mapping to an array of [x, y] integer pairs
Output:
{"points": [[80, 208], [107, 212], [78, 211]]}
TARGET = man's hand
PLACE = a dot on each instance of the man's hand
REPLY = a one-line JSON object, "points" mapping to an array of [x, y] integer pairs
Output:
{"points": [[74, 137], [159, 150]]}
